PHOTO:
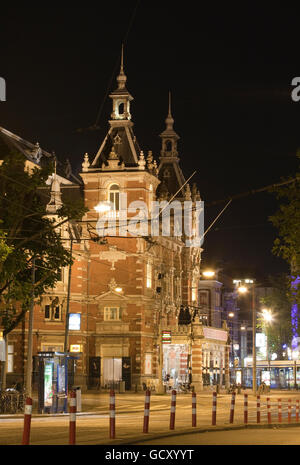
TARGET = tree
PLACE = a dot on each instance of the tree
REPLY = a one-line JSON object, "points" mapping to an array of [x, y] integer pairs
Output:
{"points": [[279, 330], [287, 222], [28, 234]]}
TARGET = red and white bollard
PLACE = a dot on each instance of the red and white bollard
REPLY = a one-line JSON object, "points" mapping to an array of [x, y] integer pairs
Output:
{"points": [[232, 405], [112, 415], [173, 409], [245, 409], [27, 421], [194, 409], [257, 409], [72, 424], [146, 411], [214, 409], [279, 411], [269, 410], [297, 409], [289, 410]]}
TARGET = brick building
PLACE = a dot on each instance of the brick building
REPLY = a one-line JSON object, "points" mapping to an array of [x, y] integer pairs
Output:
{"points": [[127, 287]]}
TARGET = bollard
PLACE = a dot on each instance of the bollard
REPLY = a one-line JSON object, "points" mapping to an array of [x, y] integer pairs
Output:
{"points": [[257, 409], [245, 409], [269, 410], [194, 409], [289, 410], [146, 411], [232, 408], [279, 411], [214, 409], [72, 424], [297, 410], [27, 421], [112, 415], [173, 408]]}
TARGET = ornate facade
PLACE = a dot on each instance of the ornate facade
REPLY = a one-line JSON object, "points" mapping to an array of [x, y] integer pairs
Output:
{"points": [[126, 290]]}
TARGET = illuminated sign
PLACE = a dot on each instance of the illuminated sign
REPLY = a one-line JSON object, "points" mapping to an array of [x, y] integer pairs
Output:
{"points": [[166, 337], [48, 383], [75, 348], [74, 321]]}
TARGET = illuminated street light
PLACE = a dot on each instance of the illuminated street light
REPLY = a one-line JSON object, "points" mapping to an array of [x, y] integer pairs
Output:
{"points": [[242, 289], [267, 315], [118, 289], [209, 273]]}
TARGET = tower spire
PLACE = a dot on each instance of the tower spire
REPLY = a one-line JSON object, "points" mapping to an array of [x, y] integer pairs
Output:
{"points": [[169, 119], [121, 79]]}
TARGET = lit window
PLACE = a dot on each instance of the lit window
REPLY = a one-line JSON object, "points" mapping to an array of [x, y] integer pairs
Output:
{"points": [[114, 196], [149, 275], [10, 358], [111, 313]]}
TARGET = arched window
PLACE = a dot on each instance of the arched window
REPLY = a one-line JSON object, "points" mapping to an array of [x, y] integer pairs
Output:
{"points": [[114, 196], [121, 108]]}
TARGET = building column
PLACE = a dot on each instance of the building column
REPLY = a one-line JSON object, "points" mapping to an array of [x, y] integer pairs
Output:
{"points": [[197, 378], [227, 377]]}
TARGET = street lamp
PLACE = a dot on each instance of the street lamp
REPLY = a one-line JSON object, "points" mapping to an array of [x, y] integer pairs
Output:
{"points": [[208, 273], [242, 288]]}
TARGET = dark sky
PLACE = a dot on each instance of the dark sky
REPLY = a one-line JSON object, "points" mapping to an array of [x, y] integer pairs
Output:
{"points": [[229, 70]]}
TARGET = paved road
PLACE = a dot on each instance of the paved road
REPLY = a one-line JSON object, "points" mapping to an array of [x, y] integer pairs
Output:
{"points": [[92, 425], [277, 436]]}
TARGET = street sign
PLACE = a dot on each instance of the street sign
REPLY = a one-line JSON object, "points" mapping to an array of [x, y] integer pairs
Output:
{"points": [[166, 337]]}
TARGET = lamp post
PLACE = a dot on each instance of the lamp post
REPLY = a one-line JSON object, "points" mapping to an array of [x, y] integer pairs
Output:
{"points": [[242, 289]]}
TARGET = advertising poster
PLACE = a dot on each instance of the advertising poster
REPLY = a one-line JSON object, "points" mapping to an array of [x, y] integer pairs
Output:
{"points": [[48, 384]]}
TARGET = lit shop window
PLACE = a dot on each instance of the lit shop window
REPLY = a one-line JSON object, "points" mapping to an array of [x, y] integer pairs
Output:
{"points": [[149, 275], [111, 313], [10, 358]]}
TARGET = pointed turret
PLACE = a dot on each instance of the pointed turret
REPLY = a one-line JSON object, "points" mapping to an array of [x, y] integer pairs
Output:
{"points": [[169, 136], [120, 135], [169, 170]]}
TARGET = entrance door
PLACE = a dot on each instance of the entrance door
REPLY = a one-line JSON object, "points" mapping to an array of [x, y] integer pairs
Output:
{"points": [[112, 372]]}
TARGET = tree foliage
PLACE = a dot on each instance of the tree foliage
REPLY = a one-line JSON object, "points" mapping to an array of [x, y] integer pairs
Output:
{"points": [[279, 330], [27, 234], [287, 222]]}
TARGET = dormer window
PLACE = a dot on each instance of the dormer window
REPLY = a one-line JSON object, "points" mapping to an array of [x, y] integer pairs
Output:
{"points": [[114, 196]]}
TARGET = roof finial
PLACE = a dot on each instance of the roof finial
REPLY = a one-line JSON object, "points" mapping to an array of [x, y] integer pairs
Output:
{"points": [[121, 79], [169, 104], [169, 119], [122, 59]]}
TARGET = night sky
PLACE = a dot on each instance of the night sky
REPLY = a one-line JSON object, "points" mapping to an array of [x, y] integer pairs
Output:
{"points": [[229, 70]]}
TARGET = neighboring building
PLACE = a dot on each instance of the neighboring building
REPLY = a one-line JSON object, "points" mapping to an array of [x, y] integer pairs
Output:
{"points": [[127, 290]]}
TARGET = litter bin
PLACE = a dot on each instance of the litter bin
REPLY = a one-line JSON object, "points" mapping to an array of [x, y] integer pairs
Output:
{"points": [[122, 387], [78, 398]]}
